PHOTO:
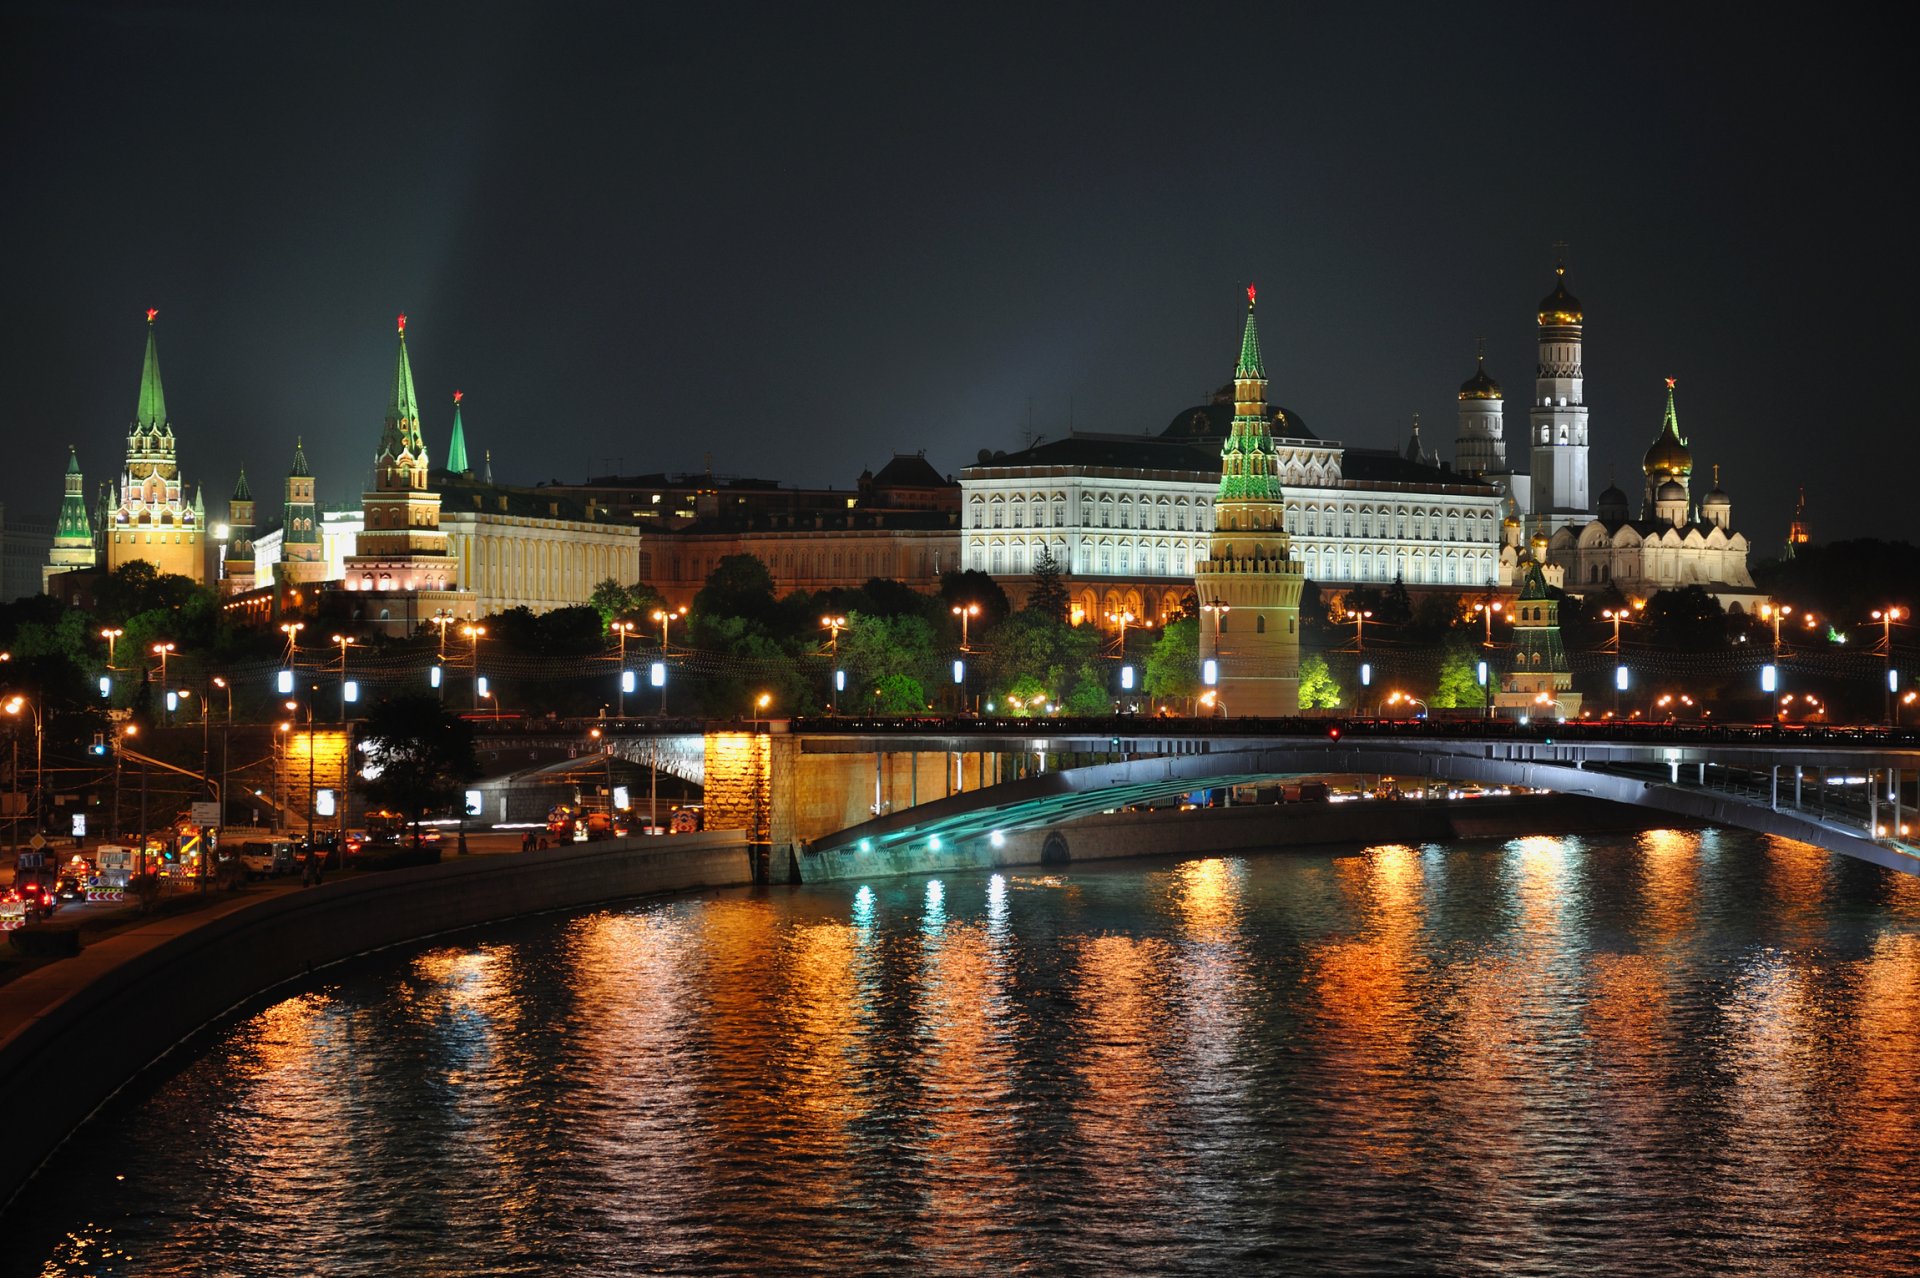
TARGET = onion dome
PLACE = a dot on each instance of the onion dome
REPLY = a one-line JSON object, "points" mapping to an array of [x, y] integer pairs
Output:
{"points": [[1480, 386], [1611, 505], [1672, 490], [1718, 495], [1560, 306], [1669, 454]]}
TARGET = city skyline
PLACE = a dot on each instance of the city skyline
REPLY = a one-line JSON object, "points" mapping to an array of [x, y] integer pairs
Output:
{"points": [[595, 275]]}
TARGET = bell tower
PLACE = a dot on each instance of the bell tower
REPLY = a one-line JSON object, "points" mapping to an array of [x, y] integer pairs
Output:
{"points": [[1560, 495]]}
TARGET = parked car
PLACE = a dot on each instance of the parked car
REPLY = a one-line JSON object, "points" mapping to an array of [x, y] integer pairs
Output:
{"points": [[268, 859]]}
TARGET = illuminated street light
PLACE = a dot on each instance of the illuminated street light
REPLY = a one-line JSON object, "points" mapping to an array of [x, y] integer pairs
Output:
{"points": [[966, 612], [1886, 617]]}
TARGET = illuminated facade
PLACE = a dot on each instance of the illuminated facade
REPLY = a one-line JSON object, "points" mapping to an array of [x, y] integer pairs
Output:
{"points": [[73, 544], [1559, 495], [236, 568], [1674, 543]]}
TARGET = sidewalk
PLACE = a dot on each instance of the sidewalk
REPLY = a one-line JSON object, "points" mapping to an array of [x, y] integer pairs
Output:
{"points": [[29, 997]]}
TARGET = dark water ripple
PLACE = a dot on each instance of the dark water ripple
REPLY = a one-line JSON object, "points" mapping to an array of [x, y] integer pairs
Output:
{"points": [[1673, 1053]]}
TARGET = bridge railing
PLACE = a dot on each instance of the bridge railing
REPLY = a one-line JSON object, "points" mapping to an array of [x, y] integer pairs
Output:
{"points": [[1573, 730]]}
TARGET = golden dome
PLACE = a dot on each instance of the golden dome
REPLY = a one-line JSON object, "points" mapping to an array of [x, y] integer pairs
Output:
{"points": [[1480, 386], [1560, 307], [1668, 456]]}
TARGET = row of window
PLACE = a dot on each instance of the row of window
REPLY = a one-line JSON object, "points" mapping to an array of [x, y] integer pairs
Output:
{"points": [[1417, 523]]}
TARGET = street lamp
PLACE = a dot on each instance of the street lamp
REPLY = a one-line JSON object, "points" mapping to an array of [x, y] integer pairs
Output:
{"points": [[110, 634], [312, 852], [621, 629], [666, 619], [1399, 697], [1218, 610], [1359, 619], [834, 625], [442, 618], [475, 634], [1487, 613], [965, 612], [14, 706], [161, 650], [292, 629], [345, 641], [1886, 617]]}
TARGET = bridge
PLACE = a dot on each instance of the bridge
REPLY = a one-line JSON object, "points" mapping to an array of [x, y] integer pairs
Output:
{"points": [[818, 787]]}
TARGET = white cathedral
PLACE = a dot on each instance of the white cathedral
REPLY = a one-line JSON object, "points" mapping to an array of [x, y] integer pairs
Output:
{"points": [[1674, 542]]}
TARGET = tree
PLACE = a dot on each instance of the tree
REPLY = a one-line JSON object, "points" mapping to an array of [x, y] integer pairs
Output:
{"points": [[739, 586], [1089, 696], [1048, 597], [420, 756], [1173, 666], [1685, 620], [1318, 688], [899, 694], [974, 587], [1458, 686], [615, 602], [880, 649]]}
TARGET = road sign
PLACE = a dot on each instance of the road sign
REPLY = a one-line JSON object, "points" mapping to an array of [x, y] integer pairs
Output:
{"points": [[206, 814]]}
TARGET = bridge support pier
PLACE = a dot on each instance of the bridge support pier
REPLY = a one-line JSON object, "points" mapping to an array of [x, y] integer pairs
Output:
{"points": [[1773, 799], [1798, 773], [1873, 804]]}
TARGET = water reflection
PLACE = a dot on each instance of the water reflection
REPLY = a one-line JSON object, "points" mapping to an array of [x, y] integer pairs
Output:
{"points": [[1676, 1052]]}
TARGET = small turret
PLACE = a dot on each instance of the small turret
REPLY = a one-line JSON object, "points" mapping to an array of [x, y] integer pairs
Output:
{"points": [[1716, 507], [457, 443]]}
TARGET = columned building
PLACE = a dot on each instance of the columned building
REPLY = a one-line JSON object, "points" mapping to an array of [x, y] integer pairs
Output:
{"points": [[153, 519], [1249, 580]]}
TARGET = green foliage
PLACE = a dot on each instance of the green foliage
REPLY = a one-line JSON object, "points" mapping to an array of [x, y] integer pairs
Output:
{"points": [[745, 662], [1458, 686], [876, 649], [899, 694], [1173, 666], [424, 756], [740, 586], [1319, 690], [1088, 696], [1048, 597], [615, 602], [1031, 647], [1026, 697]]}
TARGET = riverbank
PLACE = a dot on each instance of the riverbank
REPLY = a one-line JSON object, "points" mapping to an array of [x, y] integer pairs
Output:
{"points": [[73, 1032]]}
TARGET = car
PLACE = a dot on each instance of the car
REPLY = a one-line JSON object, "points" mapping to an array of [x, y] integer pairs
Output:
{"points": [[269, 859], [71, 889], [429, 834]]}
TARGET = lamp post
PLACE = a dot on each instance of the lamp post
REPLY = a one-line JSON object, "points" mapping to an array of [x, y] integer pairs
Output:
{"points": [[1886, 617], [345, 642], [226, 740], [621, 629], [966, 612], [1122, 620], [834, 625], [1487, 613], [110, 634], [14, 706], [1216, 609], [1359, 618], [474, 634], [313, 853], [292, 629], [666, 619], [1398, 697], [161, 650], [125, 730]]}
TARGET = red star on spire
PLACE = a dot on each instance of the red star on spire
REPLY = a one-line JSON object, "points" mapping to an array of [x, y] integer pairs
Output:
{"points": [[1670, 382], [151, 312], [457, 395], [403, 324], [1250, 294]]}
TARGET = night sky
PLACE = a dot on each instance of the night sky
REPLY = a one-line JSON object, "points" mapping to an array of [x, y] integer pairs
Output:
{"points": [[798, 241]]}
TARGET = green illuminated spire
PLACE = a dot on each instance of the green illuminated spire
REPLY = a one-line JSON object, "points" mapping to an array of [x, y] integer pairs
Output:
{"points": [[1250, 364], [299, 459], [1247, 471], [1670, 424], [401, 434], [73, 505], [457, 446], [240, 490], [151, 414]]}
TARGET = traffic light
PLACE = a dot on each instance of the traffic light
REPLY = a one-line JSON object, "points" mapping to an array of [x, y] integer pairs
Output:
{"points": [[1333, 733], [99, 745]]}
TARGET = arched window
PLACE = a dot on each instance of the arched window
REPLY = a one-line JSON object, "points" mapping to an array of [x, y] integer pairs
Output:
{"points": [[1259, 625]]}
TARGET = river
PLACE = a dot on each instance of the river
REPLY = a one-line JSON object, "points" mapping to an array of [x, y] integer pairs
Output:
{"points": [[1665, 1053]]}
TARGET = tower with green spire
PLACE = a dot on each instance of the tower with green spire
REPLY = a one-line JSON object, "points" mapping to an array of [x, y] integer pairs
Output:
{"points": [[400, 548], [73, 548], [302, 555], [1249, 582], [1538, 683], [153, 520], [457, 444], [236, 569]]}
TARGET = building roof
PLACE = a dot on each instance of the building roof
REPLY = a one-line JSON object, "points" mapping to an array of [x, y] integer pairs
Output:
{"points": [[1560, 306], [1480, 386], [1120, 452], [911, 470], [1213, 421], [151, 412], [1365, 466], [457, 442]]}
